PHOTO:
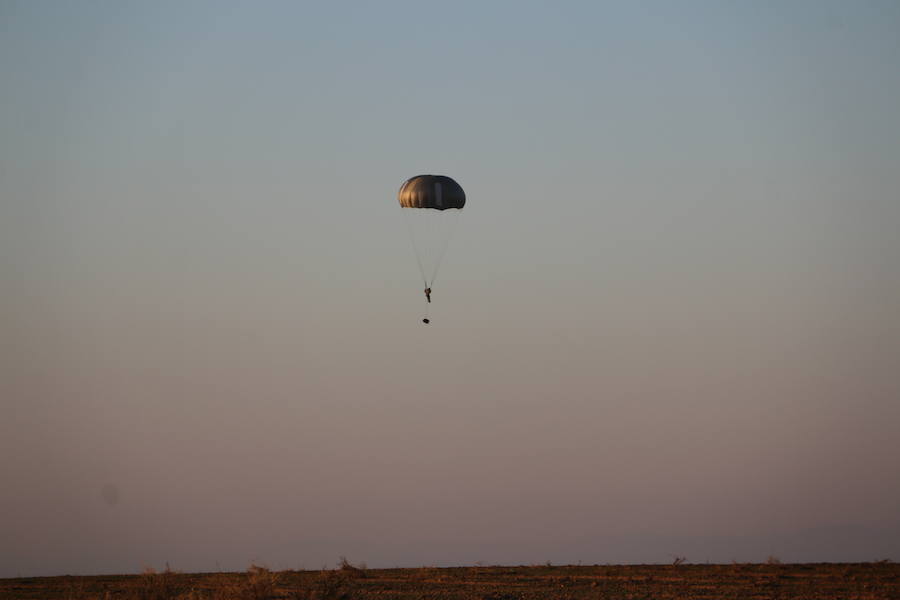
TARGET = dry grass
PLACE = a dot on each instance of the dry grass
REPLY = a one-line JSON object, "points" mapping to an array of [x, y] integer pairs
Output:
{"points": [[858, 581], [153, 585]]}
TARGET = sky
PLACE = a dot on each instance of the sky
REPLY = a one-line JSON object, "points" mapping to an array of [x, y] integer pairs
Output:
{"points": [[666, 324]]}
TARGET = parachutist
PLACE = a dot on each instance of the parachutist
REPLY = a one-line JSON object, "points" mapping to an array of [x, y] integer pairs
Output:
{"points": [[426, 321], [428, 294]]}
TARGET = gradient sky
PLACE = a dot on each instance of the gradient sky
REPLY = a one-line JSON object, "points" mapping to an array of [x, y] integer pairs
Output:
{"points": [[667, 324]]}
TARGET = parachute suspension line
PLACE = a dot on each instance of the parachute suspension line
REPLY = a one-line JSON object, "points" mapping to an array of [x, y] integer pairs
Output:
{"points": [[446, 242], [430, 232], [412, 242]]}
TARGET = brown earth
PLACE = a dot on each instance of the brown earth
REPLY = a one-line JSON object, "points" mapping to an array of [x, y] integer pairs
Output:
{"points": [[856, 581]]}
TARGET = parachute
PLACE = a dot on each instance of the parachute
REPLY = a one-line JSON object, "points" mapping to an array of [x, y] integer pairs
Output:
{"points": [[431, 205]]}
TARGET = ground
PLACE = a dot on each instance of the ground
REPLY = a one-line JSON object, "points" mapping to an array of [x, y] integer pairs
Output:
{"points": [[857, 581]]}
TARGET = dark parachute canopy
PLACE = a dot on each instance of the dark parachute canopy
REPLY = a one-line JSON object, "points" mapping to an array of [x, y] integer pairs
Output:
{"points": [[431, 205], [431, 191]]}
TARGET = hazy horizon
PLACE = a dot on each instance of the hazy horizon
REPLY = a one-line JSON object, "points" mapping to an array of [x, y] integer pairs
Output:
{"points": [[667, 324]]}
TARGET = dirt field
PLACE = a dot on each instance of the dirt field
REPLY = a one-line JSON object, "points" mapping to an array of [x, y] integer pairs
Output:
{"points": [[859, 581]]}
